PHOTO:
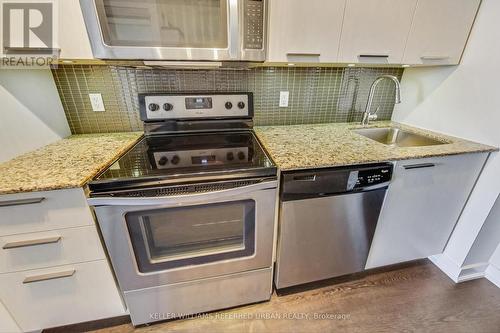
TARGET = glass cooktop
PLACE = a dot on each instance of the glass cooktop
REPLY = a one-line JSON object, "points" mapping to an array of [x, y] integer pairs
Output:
{"points": [[187, 156]]}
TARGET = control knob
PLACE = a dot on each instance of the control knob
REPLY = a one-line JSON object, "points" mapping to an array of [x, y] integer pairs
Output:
{"points": [[241, 105], [176, 159], [168, 107], [163, 160], [229, 105], [230, 156], [153, 107], [241, 155]]}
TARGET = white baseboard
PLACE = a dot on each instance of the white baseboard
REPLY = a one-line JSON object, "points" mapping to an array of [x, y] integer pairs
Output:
{"points": [[493, 274]]}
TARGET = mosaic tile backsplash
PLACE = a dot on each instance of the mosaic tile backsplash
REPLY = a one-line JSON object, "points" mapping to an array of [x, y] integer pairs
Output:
{"points": [[317, 95]]}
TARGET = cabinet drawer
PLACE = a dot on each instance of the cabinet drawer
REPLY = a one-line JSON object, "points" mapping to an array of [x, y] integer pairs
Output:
{"points": [[60, 296], [50, 248], [42, 211]]}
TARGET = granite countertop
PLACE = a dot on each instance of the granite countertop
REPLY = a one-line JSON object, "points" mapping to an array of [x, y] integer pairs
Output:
{"points": [[329, 145], [67, 163]]}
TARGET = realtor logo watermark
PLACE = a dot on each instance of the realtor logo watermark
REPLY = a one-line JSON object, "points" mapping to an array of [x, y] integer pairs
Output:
{"points": [[28, 30]]}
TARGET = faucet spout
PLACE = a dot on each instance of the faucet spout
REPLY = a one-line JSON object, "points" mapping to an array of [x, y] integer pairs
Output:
{"points": [[368, 115]]}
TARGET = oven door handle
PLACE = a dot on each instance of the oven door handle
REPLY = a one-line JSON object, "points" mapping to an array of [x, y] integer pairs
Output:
{"points": [[182, 199]]}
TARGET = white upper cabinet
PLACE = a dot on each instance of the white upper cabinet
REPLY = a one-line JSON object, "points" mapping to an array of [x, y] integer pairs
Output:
{"points": [[72, 34], [305, 31], [375, 31], [439, 31]]}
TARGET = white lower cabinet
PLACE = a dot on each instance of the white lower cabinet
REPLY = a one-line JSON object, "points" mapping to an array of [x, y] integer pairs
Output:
{"points": [[422, 206], [53, 268], [61, 295]]}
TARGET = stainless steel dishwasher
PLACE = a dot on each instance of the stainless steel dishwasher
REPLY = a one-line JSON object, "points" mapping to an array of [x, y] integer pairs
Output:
{"points": [[327, 221]]}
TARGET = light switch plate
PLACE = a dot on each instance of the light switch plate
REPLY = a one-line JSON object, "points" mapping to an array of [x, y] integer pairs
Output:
{"points": [[284, 99], [97, 102]]}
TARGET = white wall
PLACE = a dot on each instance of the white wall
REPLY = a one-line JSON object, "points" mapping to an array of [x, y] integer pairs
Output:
{"points": [[463, 101], [31, 114]]}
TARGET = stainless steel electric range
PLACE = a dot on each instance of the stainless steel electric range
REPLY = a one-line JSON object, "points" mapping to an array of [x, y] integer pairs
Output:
{"points": [[188, 214]]}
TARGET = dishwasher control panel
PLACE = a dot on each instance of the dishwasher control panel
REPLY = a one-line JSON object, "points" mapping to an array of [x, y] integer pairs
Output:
{"points": [[375, 176], [306, 184]]}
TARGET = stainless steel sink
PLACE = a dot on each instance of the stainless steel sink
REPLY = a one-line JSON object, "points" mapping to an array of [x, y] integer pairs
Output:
{"points": [[392, 136]]}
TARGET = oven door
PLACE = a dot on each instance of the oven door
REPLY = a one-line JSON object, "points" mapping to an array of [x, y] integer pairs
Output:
{"points": [[170, 29], [163, 240]]}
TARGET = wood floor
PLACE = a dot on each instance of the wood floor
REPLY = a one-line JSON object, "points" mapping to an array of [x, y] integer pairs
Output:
{"points": [[416, 298]]}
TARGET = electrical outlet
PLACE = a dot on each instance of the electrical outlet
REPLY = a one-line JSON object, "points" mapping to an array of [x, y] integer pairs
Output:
{"points": [[97, 102], [284, 99]]}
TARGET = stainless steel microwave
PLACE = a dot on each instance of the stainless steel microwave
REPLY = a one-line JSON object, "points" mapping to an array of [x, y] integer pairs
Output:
{"points": [[216, 30]]}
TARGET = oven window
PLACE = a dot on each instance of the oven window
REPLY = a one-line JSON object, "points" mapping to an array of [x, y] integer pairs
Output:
{"points": [[164, 23], [174, 237]]}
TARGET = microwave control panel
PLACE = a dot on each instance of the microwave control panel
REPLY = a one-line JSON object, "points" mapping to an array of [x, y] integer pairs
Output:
{"points": [[254, 24]]}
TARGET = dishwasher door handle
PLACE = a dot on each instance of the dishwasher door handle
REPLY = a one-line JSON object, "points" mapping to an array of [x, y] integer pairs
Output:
{"points": [[308, 178], [419, 166]]}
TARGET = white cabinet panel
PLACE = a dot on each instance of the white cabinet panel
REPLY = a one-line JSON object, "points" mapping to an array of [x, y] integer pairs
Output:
{"points": [[7, 323], [305, 31], [75, 293], [73, 38], [422, 206], [21, 213], [377, 29], [50, 248], [439, 31]]}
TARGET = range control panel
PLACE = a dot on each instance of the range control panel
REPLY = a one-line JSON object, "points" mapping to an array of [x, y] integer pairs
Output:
{"points": [[156, 107], [193, 158]]}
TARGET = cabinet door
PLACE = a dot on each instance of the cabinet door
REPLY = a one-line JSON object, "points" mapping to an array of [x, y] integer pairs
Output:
{"points": [[375, 31], [304, 31], [73, 38], [439, 31], [422, 206]]}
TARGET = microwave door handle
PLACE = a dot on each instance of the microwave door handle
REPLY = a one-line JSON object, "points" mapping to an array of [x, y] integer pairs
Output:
{"points": [[234, 28], [181, 199]]}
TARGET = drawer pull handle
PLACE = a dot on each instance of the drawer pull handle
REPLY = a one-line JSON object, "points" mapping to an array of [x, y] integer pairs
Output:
{"points": [[303, 54], [419, 166], [49, 276], [32, 242], [434, 57], [20, 202], [308, 178], [373, 56]]}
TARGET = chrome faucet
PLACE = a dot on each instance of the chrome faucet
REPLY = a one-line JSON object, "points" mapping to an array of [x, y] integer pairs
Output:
{"points": [[368, 115]]}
